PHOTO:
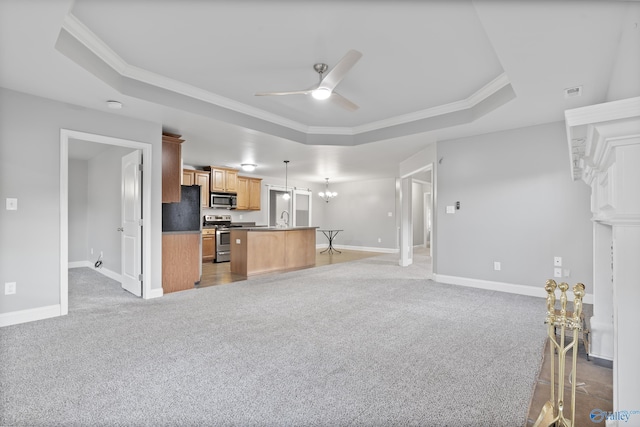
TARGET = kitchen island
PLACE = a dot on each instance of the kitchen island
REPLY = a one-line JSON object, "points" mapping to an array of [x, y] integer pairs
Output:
{"points": [[262, 250]]}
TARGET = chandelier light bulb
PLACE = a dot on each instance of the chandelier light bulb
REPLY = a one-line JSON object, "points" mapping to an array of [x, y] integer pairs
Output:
{"points": [[326, 194]]}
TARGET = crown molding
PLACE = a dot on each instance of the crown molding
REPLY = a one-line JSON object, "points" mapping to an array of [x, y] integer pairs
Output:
{"points": [[75, 28]]}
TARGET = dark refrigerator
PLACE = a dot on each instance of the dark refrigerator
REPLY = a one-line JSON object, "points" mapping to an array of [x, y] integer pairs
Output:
{"points": [[185, 215]]}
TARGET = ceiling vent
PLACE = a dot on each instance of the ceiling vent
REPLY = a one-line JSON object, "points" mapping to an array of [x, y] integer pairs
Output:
{"points": [[573, 91]]}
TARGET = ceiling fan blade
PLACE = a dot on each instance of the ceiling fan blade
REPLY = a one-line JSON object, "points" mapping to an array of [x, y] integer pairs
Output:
{"points": [[292, 92], [343, 102], [340, 70]]}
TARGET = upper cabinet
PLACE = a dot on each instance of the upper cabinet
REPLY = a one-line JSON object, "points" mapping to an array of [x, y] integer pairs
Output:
{"points": [[201, 178], [223, 179], [249, 190], [188, 177], [171, 167]]}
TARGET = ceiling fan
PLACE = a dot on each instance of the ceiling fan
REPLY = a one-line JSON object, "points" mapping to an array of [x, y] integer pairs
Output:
{"points": [[325, 88]]}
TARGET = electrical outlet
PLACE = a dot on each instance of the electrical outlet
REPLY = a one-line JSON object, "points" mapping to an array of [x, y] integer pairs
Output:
{"points": [[379, 240], [557, 272], [557, 261], [389, 213], [497, 266], [91, 251], [101, 254], [9, 288], [240, 217]]}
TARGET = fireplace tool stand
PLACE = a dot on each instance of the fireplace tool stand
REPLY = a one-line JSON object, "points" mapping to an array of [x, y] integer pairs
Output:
{"points": [[552, 413]]}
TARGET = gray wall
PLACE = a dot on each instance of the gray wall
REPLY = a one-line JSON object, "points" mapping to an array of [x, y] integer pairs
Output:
{"points": [[418, 213], [104, 207], [361, 210], [78, 203], [519, 206], [30, 171]]}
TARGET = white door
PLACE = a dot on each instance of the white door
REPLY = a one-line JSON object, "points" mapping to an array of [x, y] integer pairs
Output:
{"points": [[131, 249]]}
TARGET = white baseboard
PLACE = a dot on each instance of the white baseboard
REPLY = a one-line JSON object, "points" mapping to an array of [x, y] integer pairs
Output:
{"points": [[359, 248], [501, 286], [105, 271], [80, 264], [30, 315], [153, 293]]}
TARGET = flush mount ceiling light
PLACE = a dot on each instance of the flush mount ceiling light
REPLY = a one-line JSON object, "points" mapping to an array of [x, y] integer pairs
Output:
{"points": [[326, 194], [114, 105], [286, 195], [248, 167]]}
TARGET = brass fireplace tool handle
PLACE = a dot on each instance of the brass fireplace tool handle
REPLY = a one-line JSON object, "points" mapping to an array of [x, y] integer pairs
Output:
{"points": [[552, 412]]}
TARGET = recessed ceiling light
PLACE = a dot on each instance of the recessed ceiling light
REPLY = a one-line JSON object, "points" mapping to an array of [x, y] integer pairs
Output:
{"points": [[114, 105], [248, 167]]}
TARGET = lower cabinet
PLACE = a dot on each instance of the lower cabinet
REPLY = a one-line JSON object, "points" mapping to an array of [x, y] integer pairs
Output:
{"points": [[208, 245], [180, 261]]}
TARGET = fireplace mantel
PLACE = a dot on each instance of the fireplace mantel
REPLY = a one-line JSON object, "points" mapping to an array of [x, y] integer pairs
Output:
{"points": [[604, 147]]}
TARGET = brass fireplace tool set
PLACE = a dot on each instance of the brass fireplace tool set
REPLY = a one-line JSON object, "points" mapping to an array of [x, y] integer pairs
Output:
{"points": [[552, 413]]}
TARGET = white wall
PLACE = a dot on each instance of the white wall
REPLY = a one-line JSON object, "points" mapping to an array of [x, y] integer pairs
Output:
{"points": [[78, 203], [30, 171], [519, 206], [625, 82]]}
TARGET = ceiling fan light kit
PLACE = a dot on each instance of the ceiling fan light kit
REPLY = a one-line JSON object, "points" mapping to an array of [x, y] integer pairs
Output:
{"points": [[325, 89], [321, 93]]}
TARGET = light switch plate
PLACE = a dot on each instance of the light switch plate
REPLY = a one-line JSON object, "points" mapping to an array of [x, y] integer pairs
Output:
{"points": [[10, 288], [451, 209], [12, 204], [557, 272]]}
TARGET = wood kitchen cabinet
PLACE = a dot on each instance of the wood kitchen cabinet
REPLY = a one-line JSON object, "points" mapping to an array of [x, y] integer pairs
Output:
{"points": [[208, 244], [180, 261], [255, 193], [188, 177], [223, 179], [201, 178], [171, 167], [249, 193]]}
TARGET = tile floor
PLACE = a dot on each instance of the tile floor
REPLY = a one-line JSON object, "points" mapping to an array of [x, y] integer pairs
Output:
{"points": [[594, 388]]}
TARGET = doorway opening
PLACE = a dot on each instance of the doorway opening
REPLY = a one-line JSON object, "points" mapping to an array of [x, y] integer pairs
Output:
{"points": [[143, 259], [416, 199]]}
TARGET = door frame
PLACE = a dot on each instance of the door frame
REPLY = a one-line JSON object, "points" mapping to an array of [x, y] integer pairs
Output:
{"points": [[146, 148]]}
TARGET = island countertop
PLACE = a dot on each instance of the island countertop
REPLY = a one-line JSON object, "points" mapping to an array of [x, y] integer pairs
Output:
{"points": [[269, 249], [268, 228]]}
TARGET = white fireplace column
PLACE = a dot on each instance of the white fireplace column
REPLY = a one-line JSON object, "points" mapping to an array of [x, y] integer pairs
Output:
{"points": [[604, 142]]}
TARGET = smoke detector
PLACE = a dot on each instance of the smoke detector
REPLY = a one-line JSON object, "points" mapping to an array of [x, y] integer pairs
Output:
{"points": [[571, 92]]}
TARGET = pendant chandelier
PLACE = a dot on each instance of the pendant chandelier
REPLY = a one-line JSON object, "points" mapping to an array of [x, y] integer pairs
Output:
{"points": [[286, 195], [326, 194]]}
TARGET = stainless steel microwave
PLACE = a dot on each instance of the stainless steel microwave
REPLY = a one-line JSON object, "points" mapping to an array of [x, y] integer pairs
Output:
{"points": [[224, 200]]}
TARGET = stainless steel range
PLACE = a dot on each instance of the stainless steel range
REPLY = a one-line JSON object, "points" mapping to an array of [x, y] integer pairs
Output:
{"points": [[221, 223]]}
